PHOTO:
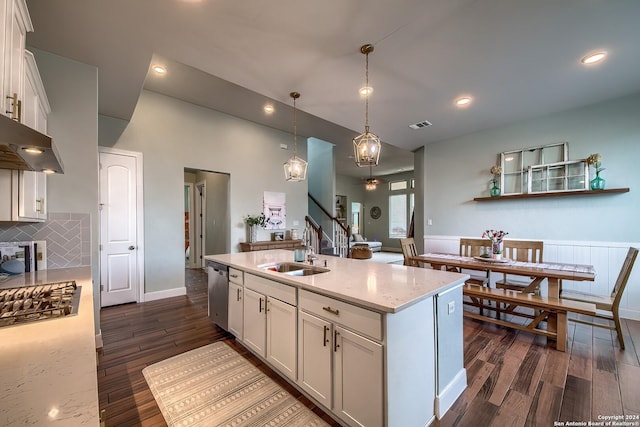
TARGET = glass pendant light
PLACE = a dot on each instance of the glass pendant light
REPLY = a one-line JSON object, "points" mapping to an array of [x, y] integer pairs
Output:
{"points": [[366, 146], [295, 169]]}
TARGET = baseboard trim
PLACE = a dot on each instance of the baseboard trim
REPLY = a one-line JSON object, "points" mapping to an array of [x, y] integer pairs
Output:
{"points": [[625, 313], [167, 293], [451, 392]]}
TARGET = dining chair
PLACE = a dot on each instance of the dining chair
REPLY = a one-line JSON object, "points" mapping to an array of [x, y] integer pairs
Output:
{"points": [[519, 250], [408, 247], [607, 307], [471, 248]]}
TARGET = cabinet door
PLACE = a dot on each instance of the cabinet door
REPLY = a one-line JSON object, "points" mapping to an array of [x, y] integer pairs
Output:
{"points": [[358, 374], [32, 189], [281, 336], [235, 309], [15, 38], [255, 321], [314, 357]]}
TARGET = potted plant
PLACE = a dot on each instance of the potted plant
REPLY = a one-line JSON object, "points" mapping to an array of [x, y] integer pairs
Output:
{"points": [[255, 221], [496, 238]]}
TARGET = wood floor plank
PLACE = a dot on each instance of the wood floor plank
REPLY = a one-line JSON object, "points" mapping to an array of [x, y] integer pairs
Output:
{"points": [[576, 401], [545, 408], [605, 394], [629, 377], [514, 410]]}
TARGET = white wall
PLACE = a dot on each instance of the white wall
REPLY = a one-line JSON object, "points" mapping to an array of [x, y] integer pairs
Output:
{"points": [[72, 89], [173, 135]]}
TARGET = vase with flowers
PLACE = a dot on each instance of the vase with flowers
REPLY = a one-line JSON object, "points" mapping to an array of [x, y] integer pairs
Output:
{"points": [[598, 182], [255, 221], [496, 237], [496, 171]]}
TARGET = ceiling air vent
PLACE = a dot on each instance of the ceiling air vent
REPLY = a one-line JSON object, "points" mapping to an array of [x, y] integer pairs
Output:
{"points": [[420, 125]]}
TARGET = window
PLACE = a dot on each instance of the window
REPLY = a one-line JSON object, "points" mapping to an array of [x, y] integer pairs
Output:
{"points": [[397, 216], [401, 202], [515, 164]]}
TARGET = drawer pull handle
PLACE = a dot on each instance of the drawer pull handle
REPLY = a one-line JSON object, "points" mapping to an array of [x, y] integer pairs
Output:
{"points": [[332, 311], [325, 341], [235, 276], [335, 341]]}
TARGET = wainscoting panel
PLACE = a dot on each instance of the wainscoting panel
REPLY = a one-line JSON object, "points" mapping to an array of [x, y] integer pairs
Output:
{"points": [[606, 258]]}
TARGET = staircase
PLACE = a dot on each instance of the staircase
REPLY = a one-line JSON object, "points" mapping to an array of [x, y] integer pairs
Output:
{"points": [[338, 243]]}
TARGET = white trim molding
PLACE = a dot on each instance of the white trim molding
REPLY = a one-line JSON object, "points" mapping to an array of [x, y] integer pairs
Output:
{"points": [[167, 293]]}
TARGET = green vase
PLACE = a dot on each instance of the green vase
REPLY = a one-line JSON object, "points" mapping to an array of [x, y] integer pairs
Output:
{"points": [[495, 191], [597, 183]]}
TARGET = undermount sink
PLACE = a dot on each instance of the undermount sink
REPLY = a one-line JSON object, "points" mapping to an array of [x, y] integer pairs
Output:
{"points": [[294, 268]]}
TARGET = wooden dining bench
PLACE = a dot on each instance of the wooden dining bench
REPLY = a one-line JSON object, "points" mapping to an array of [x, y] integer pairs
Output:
{"points": [[545, 308]]}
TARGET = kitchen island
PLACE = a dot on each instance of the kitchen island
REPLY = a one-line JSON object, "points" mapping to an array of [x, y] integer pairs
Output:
{"points": [[48, 367], [373, 344]]}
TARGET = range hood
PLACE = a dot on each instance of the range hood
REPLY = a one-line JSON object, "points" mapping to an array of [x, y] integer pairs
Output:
{"points": [[19, 146]]}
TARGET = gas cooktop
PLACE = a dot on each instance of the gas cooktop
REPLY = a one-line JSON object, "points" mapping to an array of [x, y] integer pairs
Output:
{"points": [[27, 304]]}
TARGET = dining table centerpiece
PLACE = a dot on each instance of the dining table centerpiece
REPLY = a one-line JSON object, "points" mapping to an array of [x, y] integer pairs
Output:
{"points": [[496, 237], [255, 221], [598, 182], [496, 171]]}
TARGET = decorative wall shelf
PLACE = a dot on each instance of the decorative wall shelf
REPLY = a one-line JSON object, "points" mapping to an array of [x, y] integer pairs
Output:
{"points": [[553, 194], [270, 244]]}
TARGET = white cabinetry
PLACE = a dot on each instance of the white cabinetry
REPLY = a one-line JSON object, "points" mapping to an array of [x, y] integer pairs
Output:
{"points": [[339, 366], [15, 23], [270, 322], [236, 298], [23, 196]]}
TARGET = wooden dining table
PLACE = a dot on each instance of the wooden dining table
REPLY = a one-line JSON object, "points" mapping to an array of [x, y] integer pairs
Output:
{"points": [[554, 273]]}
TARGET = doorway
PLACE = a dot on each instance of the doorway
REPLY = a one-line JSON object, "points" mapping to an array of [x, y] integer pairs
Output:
{"points": [[207, 215], [356, 218]]}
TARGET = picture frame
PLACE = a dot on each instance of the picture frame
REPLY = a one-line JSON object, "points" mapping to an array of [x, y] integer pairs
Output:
{"points": [[278, 236]]}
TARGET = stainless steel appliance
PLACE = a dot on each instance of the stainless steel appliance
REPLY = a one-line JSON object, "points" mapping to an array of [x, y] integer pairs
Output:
{"points": [[30, 303], [218, 285]]}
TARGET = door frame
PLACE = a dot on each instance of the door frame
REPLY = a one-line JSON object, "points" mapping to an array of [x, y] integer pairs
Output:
{"points": [[192, 233], [139, 218], [200, 203]]}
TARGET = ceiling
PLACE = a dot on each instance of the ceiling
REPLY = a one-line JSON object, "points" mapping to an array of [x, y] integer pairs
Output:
{"points": [[517, 59]]}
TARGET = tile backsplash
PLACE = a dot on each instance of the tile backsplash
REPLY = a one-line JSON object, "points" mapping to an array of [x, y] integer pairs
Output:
{"points": [[68, 237]]}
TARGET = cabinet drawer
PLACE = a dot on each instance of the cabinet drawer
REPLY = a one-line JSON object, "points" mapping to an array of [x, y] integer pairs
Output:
{"points": [[236, 276], [359, 319], [270, 288]]}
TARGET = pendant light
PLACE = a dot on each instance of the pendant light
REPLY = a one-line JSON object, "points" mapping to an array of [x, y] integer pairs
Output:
{"points": [[295, 169], [366, 146]]}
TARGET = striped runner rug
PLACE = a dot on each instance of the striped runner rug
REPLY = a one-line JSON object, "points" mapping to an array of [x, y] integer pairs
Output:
{"points": [[215, 386]]}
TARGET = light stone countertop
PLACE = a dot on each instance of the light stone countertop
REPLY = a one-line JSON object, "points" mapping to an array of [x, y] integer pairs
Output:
{"points": [[386, 288], [48, 368]]}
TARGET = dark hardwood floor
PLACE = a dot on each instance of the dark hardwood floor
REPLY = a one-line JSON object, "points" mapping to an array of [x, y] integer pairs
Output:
{"points": [[514, 378]]}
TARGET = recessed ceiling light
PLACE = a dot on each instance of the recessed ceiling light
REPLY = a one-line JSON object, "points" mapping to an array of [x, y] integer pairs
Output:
{"points": [[593, 58], [159, 69], [365, 90], [463, 101], [268, 109]]}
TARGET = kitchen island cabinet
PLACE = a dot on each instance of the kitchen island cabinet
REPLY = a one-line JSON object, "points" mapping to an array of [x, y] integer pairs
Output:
{"points": [[369, 337], [48, 367]]}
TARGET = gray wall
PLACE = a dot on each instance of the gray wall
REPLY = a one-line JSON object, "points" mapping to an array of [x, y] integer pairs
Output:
{"points": [[72, 89], [353, 188], [173, 135], [321, 176], [457, 170]]}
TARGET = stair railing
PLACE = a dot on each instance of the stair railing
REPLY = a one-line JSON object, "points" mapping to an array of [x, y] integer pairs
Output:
{"points": [[341, 234], [315, 237]]}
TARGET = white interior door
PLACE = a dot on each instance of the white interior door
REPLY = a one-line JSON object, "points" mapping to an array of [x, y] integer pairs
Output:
{"points": [[200, 221], [119, 278]]}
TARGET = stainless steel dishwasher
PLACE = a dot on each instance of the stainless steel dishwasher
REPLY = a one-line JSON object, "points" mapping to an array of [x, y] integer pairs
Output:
{"points": [[218, 285]]}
